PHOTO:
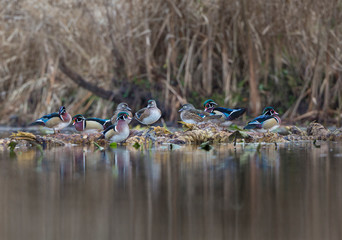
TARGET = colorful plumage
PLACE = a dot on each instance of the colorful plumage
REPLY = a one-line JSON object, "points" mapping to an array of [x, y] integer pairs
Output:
{"points": [[189, 114], [56, 121], [90, 125], [268, 121], [122, 107], [149, 114], [229, 113], [118, 132]]}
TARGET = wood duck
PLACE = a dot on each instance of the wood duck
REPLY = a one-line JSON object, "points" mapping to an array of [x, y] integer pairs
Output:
{"points": [[90, 125], [149, 114], [229, 114], [189, 114], [56, 121], [118, 132], [122, 107], [268, 121]]}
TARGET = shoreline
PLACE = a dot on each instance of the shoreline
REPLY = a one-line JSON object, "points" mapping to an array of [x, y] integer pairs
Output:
{"points": [[206, 135]]}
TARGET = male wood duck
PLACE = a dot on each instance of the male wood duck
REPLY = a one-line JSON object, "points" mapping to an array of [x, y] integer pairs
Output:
{"points": [[90, 125], [189, 114], [149, 114], [230, 114], [118, 132], [268, 121], [56, 121], [122, 107]]}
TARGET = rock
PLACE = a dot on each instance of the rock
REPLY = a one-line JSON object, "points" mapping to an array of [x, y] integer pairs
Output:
{"points": [[297, 131], [270, 137], [176, 141], [336, 135], [318, 131], [282, 130]]}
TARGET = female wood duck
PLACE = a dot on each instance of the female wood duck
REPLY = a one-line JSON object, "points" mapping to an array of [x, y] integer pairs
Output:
{"points": [[118, 132], [56, 121], [189, 114], [268, 121], [230, 114], [90, 125], [149, 114], [122, 107]]}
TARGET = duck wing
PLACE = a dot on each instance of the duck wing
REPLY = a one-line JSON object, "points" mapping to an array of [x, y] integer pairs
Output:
{"points": [[44, 119], [142, 114], [257, 122]]}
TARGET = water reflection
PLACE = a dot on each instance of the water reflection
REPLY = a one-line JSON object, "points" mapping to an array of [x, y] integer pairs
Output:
{"points": [[267, 192]]}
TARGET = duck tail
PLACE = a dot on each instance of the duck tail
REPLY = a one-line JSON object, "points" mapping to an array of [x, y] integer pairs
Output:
{"points": [[237, 112]]}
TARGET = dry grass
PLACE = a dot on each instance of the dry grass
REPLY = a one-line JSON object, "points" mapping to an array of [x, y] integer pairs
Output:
{"points": [[281, 53]]}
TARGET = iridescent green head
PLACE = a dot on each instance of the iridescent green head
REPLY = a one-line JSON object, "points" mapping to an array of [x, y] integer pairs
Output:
{"points": [[209, 103], [78, 118], [123, 116], [269, 111]]}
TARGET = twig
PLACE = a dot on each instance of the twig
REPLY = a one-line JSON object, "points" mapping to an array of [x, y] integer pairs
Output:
{"points": [[98, 91]]}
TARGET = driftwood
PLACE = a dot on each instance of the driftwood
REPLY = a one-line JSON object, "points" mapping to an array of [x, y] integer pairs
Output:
{"points": [[79, 80], [311, 114]]}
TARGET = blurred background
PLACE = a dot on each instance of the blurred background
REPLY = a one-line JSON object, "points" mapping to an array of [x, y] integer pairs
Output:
{"points": [[90, 55]]}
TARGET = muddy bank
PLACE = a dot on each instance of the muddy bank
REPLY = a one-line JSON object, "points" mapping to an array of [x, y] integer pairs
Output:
{"points": [[190, 134]]}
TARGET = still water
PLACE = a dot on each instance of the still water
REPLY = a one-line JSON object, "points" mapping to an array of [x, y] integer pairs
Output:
{"points": [[292, 191]]}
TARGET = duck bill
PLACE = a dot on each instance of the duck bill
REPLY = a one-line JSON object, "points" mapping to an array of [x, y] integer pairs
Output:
{"points": [[276, 113], [129, 109], [180, 110], [74, 122]]}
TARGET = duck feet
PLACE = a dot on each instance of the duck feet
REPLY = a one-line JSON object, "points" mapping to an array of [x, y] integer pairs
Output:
{"points": [[56, 132]]}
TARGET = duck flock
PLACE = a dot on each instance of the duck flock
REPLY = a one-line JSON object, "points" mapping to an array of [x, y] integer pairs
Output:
{"points": [[116, 129]]}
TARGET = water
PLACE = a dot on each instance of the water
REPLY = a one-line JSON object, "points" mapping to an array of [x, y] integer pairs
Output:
{"points": [[293, 191]]}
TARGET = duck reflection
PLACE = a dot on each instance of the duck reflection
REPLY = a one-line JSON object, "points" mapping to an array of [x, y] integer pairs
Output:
{"points": [[83, 159], [247, 192]]}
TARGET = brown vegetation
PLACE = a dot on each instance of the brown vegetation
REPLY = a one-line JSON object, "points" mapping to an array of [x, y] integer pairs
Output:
{"points": [[205, 134], [281, 53]]}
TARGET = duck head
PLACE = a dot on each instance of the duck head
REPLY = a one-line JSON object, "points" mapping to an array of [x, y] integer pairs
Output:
{"points": [[123, 107], [123, 116], [186, 107], [269, 111], [63, 114], [79, 122], [151, 104], [209, 105]]}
